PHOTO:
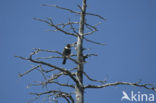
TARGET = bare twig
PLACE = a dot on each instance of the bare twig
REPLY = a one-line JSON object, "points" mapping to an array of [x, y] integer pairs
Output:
{"points": [[88, 55], [59, 7], [96, 15], [56, 76], [45, 50], [93, 79], [42, 73], [89, 33], [92, 28], [79, 6], [73, 29], [21, 57], [91, 41], [33, 68], [50, 57], [47, 71], [66, 24], [91, 13]]}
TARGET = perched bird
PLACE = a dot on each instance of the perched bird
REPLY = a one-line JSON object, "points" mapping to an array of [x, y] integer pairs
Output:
{"points": [[66, 53]]}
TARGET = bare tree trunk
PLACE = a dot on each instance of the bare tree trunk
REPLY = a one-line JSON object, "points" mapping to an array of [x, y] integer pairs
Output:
{"points": [[79, 88]]}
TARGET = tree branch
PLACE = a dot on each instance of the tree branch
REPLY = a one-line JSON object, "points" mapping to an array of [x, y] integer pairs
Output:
{"points": [[58, 68], [91, 41], [33, 68], [41, 70], [49, 65], [137, 84], [91, 13], [92, 28], [66, 24], [58, 94], [75, 12], [49, 21], [69, 10], [52, 82], [93, 79], [96, 15], [73, 29], [56, 76], [30, 70], [62, 84], [47, 71], [57, 52], [50, 57]]}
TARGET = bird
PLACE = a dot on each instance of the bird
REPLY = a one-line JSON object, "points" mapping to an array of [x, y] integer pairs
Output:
{"points": [[125, 96], [66, 53]]}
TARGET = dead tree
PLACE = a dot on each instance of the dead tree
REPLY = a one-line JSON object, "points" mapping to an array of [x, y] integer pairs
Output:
{"points": [[75, 74]]}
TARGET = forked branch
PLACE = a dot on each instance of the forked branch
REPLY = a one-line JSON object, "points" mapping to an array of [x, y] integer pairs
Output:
{"points": [[58, 94], [50, 23], [67, 72], [75, 12]]}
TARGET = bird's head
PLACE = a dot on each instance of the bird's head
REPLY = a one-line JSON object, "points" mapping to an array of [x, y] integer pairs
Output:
{"points": [[68, 45]]}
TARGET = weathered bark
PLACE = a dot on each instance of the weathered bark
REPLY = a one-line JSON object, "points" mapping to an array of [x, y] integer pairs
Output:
{"points": [[79, 88]]}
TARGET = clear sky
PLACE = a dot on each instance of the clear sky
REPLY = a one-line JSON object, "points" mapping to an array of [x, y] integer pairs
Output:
{"points": [[130, 53]]}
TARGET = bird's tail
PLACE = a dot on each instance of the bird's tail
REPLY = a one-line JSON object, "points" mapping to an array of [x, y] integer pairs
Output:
{"points": [[64, 60]]}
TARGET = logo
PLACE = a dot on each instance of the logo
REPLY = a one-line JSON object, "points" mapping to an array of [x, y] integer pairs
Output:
{"points": [[140, 97]]}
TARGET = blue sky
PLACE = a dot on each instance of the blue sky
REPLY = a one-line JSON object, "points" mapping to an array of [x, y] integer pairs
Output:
{"points": [[130, 53]]}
